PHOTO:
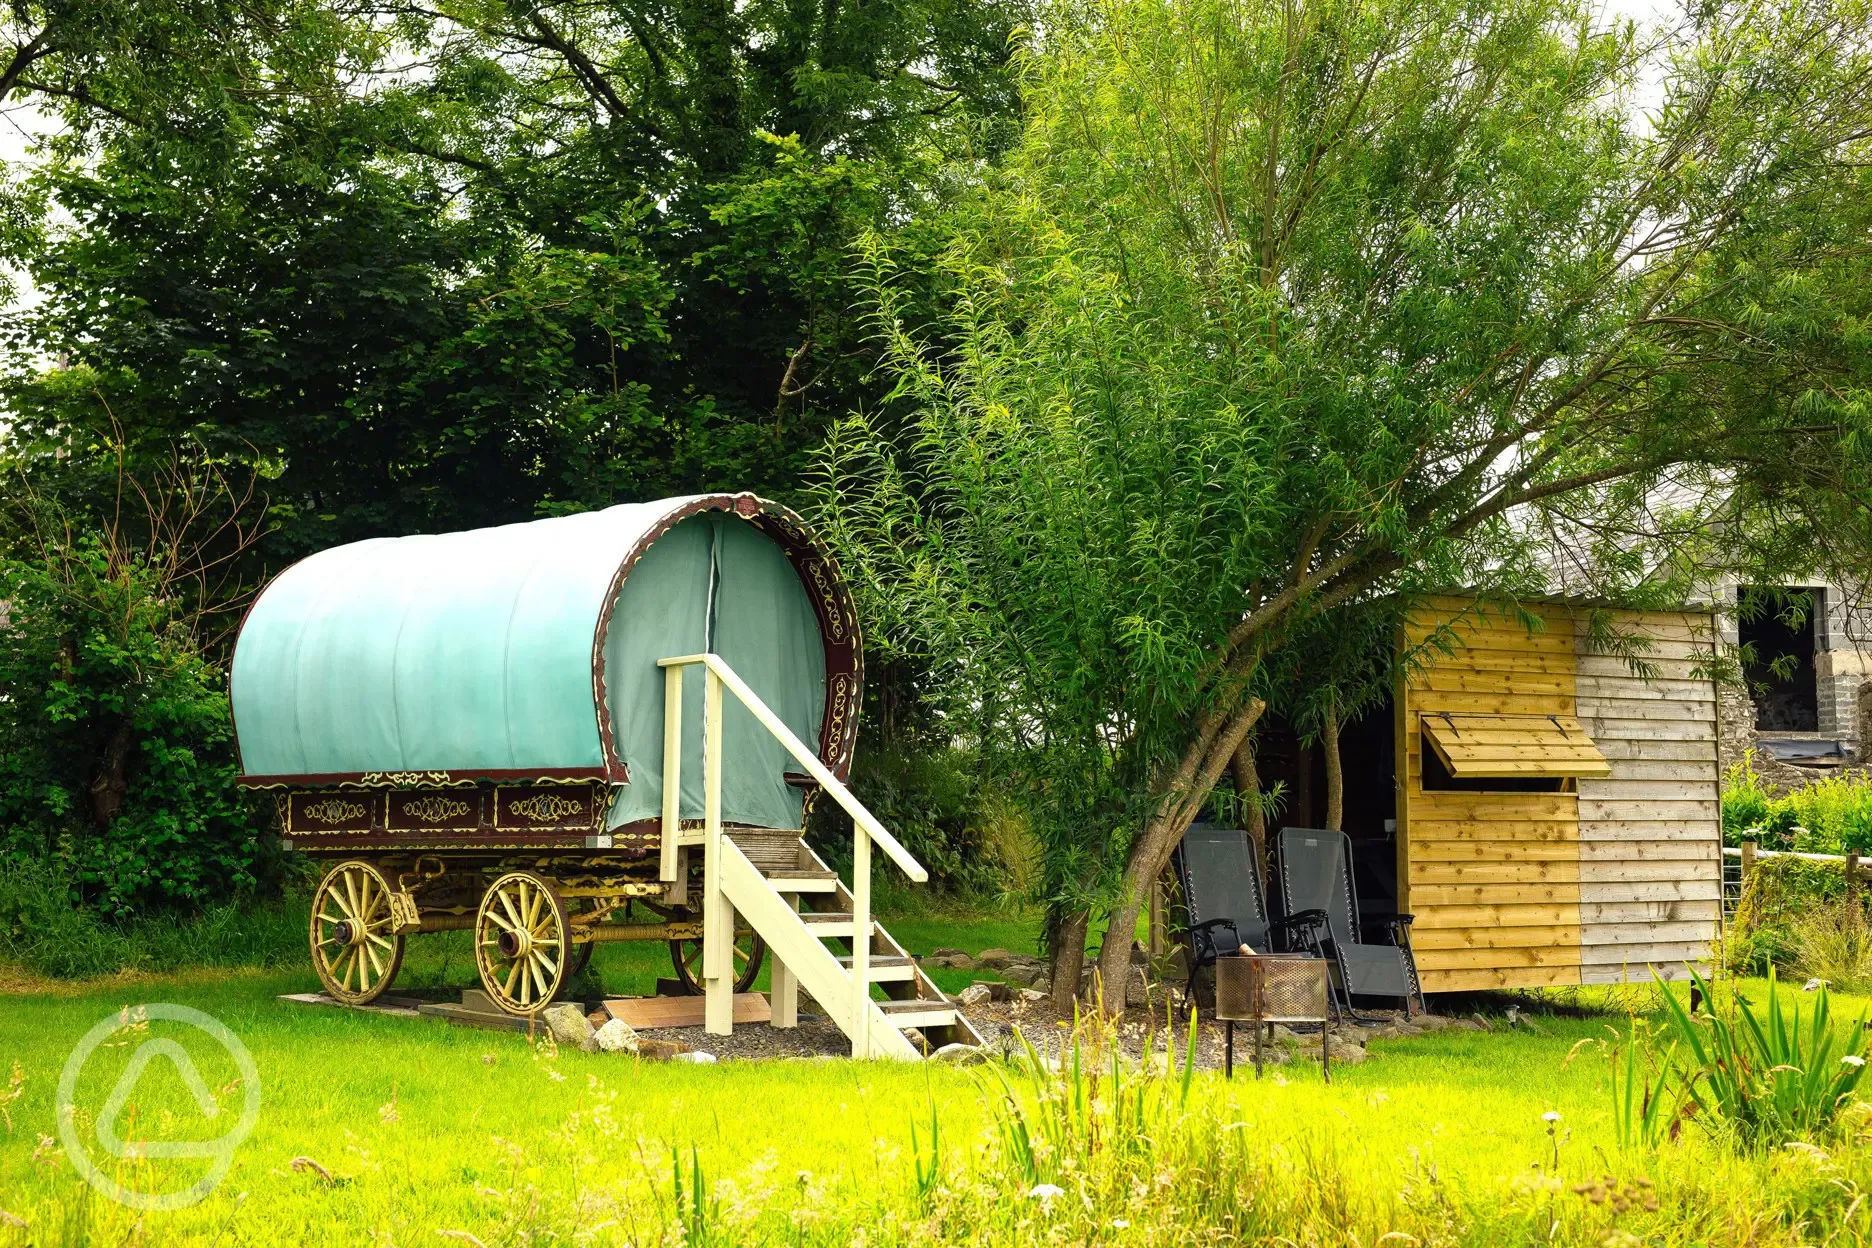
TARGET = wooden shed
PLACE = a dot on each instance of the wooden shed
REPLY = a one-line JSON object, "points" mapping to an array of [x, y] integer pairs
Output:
{"points": [[1557, 808], [1547, 811]]}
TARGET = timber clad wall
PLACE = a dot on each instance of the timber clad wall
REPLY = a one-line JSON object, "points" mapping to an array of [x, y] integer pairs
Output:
{"points": [[1650, 839], [1515, 889]]}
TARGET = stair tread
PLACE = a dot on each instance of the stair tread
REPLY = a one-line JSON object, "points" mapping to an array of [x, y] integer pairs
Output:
{"points": [[915, 1005], [824, 916], [880, 959], [799, 873]]}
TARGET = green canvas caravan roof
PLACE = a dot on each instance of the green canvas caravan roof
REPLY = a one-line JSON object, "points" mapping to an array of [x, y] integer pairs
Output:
{"points": [[529, 652]]}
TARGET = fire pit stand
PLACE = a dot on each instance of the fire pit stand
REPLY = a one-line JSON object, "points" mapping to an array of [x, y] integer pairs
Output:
{"points": [[1269, 988]]}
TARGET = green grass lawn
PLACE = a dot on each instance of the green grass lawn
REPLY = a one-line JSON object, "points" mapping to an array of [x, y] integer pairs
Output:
{"points": [[426, 1128]]}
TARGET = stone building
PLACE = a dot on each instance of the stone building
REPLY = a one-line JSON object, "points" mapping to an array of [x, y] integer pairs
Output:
{"points": [[1805, 704]]}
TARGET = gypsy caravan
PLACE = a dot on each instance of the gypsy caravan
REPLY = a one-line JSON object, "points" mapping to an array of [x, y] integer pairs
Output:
{"points": [[498, 731]]}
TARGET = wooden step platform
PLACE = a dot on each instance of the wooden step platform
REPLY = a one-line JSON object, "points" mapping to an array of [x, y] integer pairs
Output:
{"points": [[650, 1013]]}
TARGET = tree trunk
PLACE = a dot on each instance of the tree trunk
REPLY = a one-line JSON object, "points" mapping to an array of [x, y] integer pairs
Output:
{"points": [[1150, 852], [1248, 784], [1069, 960], [1335, 773], [109, 783]]}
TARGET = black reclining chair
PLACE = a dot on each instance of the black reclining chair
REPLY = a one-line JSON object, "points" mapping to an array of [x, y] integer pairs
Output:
{"points": [[1316, 875], [1227, 905]]}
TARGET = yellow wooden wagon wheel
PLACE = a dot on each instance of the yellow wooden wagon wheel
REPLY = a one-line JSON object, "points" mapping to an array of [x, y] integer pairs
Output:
{"points": [[354, 951], [749, 952], [523, 945]]}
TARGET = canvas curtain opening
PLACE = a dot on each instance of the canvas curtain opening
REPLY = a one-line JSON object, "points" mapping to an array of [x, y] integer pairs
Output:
{"points": [[714, 583]]}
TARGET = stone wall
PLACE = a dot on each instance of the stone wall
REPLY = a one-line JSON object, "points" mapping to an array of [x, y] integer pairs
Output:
{"points": [[1735, 718]]}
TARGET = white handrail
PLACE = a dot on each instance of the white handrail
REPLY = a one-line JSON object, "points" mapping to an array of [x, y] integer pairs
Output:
{"points": [[861, 817]]}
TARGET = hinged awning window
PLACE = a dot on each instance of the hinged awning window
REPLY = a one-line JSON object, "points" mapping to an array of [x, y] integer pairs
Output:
{"points": [[1478, 747]]}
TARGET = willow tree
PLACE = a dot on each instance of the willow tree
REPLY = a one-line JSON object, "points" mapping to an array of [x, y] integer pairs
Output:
{"points": [[1281, 307]]}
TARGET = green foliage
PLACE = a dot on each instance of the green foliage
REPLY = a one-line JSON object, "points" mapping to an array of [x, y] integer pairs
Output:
{"points": [[937, 803], [1087, 1121], [1771, 1078], [1825, 816], [1832, 942], [1643, 1110], [1778, 893], [585, 256], [1747, 801], [116, 753], [1273, 313], [43, 932]]}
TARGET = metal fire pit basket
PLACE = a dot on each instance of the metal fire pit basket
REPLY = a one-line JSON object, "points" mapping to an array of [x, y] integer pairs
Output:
{"points": [[1269, 988]]}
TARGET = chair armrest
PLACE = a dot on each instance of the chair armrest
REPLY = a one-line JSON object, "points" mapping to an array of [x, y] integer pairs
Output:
{"points": [[1204, 947], [1397, 926], [1303, 918]]}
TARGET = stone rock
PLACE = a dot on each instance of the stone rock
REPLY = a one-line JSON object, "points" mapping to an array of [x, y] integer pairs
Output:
{"points": [[1140, 956], [1347, 1054], [1396, 1031], [995, 958], [977, 993], [1032, 995], [694, 1058], [1043, 986], [1271, 1054], [1137, 988], [954, 962], [1482, 1024], [659, 1050], [1347, 1033], [1290, 1038], [1468, 1024], [617, 1036], [570, 1027], [1432, 1022], [948, 953], [598, 1018], [960, 1055], [1025, 974]]}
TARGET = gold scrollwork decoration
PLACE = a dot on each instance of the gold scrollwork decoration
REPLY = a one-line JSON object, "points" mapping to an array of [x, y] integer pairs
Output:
{"points": [[332, 811], [546, 808], [435, 809], [407, 778]]}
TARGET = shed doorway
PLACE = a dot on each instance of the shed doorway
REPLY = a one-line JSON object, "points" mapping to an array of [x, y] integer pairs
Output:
{"points": [[1368, 763]]}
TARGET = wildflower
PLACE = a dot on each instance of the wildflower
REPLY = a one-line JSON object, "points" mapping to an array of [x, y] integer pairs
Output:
{"points": [[1119, 1224], [1045, 1191], [1812, 985], [1550, 1117], [1853, 1060]]}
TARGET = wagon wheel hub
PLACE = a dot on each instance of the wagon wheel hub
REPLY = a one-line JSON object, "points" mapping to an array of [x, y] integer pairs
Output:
{"points": [[345, 932], [515, 944]]}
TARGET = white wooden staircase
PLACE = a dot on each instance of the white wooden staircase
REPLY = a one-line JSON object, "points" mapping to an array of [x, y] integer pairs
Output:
{"points": [[819, 933]]}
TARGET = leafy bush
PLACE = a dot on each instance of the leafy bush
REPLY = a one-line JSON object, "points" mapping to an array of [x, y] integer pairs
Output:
{"points": [[1828, 816], [937, 805], [116, 748]]}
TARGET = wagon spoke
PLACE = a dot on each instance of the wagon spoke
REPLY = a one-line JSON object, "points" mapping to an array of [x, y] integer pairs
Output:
{"points": [[507, 905]]}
